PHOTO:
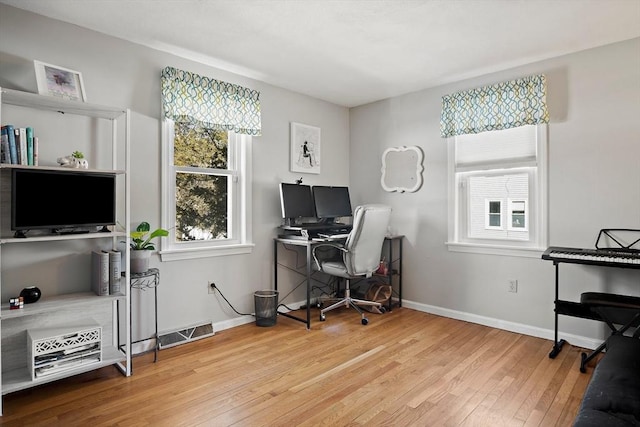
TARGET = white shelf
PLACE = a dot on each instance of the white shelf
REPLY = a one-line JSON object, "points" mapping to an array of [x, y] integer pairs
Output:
{"points": [[48, 304], [61, 237], [61, 168], [51, 103], [21, 379], [48, 311]]}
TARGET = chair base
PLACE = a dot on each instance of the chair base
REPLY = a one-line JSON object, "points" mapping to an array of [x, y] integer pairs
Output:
{"points": [[347, 301]]}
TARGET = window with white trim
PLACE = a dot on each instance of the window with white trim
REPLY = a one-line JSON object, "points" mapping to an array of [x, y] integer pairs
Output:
{"points": [[493, 214], [498, 190], [207, 191]]}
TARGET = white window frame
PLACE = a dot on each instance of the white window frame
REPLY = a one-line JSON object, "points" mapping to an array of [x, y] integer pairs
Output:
{"points": [[536, 207], [510, 210], [240, 204], [488, 214]]}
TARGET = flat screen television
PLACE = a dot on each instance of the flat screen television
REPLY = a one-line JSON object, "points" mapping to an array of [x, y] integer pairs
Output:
{"points": [[296, 201], [331, 202], [61, 201]]}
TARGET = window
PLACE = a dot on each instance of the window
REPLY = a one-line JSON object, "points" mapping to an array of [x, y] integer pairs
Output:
{"points": [[206, 184], [206, 165], [518, 215], [493, 214], [497, 191]]}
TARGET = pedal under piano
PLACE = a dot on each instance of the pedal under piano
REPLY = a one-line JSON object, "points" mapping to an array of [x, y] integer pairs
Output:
{"points": [[618, 248]]}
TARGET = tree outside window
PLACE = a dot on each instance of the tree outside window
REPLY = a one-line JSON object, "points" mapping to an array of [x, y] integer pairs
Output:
{"points": [[202, 180]]}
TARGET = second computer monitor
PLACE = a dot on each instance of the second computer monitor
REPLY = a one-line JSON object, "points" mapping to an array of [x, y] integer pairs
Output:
{"points": [[331, 202]]}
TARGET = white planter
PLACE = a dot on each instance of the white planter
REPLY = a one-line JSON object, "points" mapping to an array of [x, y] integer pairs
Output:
{"points": [[139, 261]]}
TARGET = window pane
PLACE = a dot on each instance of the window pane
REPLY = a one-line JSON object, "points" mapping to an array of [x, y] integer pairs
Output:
{"points": [[201, 207], [517, 220], [494, 220], [199, 147], [494, 207]]}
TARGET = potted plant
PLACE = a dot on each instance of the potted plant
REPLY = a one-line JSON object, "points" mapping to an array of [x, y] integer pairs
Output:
{"points": [[141, 246]]}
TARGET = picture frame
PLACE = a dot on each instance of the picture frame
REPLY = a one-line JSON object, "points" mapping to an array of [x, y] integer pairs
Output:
{"points": [[305, 148], [53, 80]]}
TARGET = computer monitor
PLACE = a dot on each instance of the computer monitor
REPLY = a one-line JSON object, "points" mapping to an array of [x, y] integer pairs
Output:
{"points": [[296, 201], [331, 202]]}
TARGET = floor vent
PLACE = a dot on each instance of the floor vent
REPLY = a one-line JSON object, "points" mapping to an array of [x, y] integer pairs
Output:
{"points": [[192, 333]]}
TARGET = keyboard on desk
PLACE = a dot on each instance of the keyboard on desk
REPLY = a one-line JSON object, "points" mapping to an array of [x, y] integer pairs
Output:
{"points": [[608, 257]]}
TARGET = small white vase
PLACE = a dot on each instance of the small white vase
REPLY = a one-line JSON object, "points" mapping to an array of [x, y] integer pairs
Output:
{"points": [[139, 260]]}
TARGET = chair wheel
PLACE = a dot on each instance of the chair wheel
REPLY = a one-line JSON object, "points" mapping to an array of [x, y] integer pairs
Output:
{"points": [[365, 321], [323, 317], [383, 309]]}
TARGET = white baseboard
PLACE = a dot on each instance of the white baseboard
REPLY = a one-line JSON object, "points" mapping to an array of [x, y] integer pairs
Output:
{"points": [[231, 323], [575, 340], [243, 320]]}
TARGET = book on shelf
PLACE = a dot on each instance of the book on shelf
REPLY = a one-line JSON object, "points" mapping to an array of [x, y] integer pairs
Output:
{"points": [[4, 144], [29, 135], [115, 268], [100, 272], [36, 141], [22, 132], [11, 136]]}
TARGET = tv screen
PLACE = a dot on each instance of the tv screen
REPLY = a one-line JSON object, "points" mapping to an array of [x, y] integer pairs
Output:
{"points": [[331, 202], [296, 201], [61, 200]]}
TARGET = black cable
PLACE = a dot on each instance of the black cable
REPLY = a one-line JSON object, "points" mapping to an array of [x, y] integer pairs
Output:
{"points": [[285, 306], [237, 312]]}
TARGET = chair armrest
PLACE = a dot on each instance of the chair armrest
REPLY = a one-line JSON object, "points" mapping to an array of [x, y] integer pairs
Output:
{"points": [[337, 246]]}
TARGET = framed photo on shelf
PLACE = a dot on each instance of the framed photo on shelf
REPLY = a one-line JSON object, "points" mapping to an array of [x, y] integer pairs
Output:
{"points": [[61, 82], [305, 148]]}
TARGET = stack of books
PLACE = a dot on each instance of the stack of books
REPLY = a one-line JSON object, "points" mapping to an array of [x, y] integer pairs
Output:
{"points": [[18, 146], [106, 272]]}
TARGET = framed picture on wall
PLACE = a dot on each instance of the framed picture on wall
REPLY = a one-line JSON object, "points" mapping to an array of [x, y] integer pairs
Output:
{"points": [[305, 148], [58, 81]]}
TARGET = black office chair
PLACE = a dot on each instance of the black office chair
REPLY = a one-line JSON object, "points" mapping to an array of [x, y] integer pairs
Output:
{"points": [[613, 309], [359, 255]]}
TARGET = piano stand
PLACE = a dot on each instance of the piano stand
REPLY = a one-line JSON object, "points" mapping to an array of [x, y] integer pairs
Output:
{"points": [[612, 309], [557, 346], [595, 306]]}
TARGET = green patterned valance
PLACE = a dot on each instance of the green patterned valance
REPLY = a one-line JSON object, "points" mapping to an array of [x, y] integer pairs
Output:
{"points": [[501, 106], [188, 97]]}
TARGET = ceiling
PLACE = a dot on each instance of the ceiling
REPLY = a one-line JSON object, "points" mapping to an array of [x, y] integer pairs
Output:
{"points": [[352, 52]]}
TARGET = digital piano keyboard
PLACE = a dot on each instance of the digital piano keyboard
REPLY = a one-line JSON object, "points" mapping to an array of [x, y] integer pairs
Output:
{"points": [[616, 257], [615, 247]]}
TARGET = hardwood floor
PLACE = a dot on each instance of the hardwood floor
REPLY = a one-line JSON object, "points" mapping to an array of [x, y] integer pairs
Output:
{"points": [[406, 368]]}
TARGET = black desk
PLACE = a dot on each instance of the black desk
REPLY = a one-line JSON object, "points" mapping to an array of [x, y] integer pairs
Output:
{"points": [[395, 267], [394, 264], [308, 244]]}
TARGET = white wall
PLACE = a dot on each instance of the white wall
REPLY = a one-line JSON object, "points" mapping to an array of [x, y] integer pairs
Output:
{"points": [[123, 74], [594, 182]]}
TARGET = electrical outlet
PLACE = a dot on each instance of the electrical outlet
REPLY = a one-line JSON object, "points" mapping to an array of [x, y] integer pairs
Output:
{"points": [[513, 285], [211, 287]]}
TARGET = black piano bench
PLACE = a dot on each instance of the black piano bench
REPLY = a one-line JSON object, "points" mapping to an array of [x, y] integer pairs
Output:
{"points": [[614, 310], [612, 397]]}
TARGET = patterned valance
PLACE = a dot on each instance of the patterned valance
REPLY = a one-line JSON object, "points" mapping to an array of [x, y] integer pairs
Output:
{"points": [[189, 97], [500, 106]]}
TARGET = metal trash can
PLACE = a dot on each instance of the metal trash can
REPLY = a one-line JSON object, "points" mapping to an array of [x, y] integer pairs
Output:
{"points": [[266, 307]]}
